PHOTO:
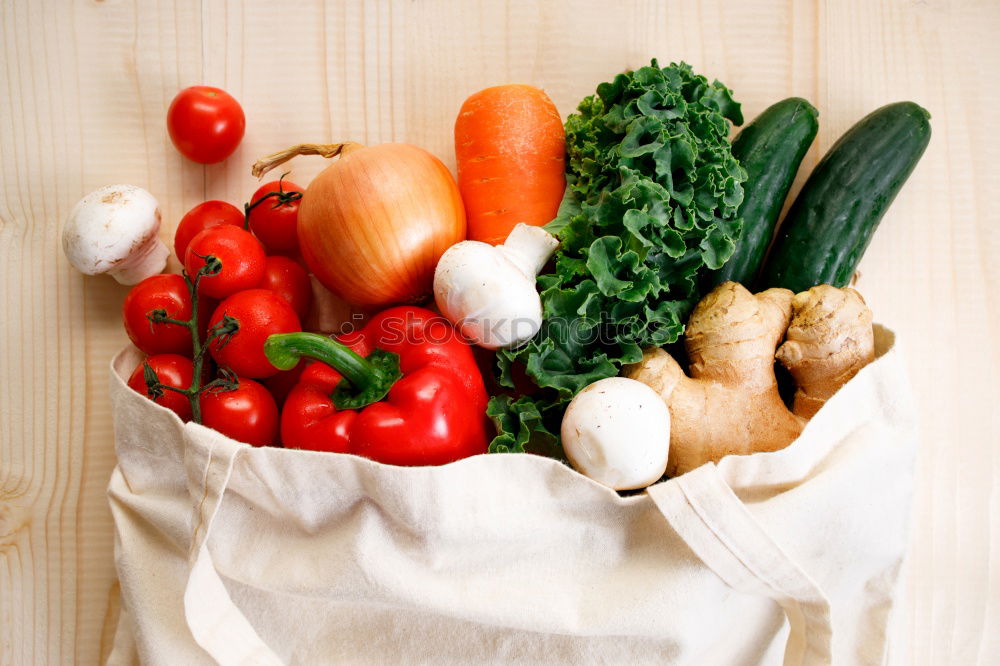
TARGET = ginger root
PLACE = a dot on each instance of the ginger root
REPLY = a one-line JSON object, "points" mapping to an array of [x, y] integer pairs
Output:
{"points": [[829, 339], [730, 403]]}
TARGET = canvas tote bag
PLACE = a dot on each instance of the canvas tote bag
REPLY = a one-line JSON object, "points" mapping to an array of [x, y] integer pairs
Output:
{"points": [[239, 555]]}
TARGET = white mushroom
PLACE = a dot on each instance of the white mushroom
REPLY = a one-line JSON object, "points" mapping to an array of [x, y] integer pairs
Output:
{"points": [[114, 230], [488, 291], [617, 432]]}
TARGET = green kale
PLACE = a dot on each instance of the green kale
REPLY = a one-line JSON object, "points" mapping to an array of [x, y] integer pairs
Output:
{"points": [[652, 198]]}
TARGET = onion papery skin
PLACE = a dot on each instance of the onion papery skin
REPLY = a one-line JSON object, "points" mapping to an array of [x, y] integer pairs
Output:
{"points": [[374, 223]]}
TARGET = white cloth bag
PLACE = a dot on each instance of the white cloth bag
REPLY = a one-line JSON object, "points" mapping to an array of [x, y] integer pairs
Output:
{"points": [[248, 555]]}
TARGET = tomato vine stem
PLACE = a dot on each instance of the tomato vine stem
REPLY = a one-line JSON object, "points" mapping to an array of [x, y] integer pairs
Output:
{"points": [[224, 329]]}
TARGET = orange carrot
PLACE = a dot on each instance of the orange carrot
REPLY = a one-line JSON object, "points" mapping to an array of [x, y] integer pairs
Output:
{"points": [[511, 152]]}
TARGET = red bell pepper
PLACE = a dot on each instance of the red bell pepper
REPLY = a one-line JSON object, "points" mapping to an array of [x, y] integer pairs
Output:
{"points": [[405, 390]]}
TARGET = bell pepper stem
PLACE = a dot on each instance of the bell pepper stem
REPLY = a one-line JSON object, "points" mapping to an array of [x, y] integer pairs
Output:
{"points": [[368, 379], [284, 350]]}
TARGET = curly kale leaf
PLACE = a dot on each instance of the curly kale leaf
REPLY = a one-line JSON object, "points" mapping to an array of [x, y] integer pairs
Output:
{"points": [[651, 202], [522, 428]]}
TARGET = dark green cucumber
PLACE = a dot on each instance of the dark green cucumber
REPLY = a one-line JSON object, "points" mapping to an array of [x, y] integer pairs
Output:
{"points": [[831, 222], [770, 149]]}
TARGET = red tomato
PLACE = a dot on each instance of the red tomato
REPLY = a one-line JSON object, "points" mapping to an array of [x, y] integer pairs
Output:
{"points": [[274, 220], [204, 216], [205, 124], [241, 254], [159, 292], [248, 414], [288, 279], [259, 313], [171, 370]]}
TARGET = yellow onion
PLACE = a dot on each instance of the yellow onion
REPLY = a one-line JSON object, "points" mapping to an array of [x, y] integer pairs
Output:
{"points": [[373, 224]]}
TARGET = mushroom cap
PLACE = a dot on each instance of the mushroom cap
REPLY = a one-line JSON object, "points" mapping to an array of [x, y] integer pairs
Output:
{"points": [[617, 432], [106, 227]]}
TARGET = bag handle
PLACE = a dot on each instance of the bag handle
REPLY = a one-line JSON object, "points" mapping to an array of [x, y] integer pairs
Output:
{"points": [[216, 623], [721, 531]]}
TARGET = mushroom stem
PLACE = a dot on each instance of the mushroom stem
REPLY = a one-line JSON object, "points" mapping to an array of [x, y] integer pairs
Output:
{"points": [[150, 258], [529, 248]]}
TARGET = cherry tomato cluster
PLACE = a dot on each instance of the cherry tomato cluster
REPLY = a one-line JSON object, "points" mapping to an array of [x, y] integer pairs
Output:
{"points": [[204, 331]]}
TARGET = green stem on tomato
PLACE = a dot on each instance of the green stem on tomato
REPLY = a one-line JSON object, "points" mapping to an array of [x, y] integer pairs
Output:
{"points": [[284, 198], [156, 318], [174, 389]]}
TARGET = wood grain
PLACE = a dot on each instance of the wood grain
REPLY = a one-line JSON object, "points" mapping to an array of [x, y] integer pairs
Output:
{"points": [[83, 91]]}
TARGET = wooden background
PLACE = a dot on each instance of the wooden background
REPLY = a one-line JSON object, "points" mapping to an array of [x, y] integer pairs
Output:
{"points": [[84, 88]]}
